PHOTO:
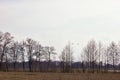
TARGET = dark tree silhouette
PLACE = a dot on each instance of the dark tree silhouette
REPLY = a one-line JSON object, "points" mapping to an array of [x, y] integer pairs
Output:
{"points": [[48, 52], [5, 40], [30, 47]]}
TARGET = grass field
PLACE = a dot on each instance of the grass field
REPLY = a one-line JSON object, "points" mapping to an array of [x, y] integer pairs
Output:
{"points": [[57, 76]]}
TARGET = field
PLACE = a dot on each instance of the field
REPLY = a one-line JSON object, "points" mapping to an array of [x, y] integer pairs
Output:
{"points": [[57, 76]]}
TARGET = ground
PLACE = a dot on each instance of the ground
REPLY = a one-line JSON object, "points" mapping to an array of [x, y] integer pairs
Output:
{"points": [[57, 76]]}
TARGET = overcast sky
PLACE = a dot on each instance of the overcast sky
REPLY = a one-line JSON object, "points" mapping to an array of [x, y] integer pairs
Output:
{"points": [[55, 22]]}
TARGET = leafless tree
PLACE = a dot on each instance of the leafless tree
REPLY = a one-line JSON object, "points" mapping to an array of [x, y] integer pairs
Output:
{"points": [[91, 54], [30, 47], [83, 62], [113, 54], [38, 54], [67, 58], [48, 52], [5, 39], [15, 52], [22, 52], [103, 65], [99, 54], [62, 58], [101, 51]]}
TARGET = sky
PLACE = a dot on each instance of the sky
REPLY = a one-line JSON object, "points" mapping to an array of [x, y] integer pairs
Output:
{"points": [[56, 22]]}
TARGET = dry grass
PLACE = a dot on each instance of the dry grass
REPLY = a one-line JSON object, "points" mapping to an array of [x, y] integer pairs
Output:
{"points": [[57, 76]]}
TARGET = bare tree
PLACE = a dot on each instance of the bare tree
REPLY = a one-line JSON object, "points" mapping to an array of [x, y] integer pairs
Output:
{"points": [[7, 58], [106, 59], [113, 54], [22, 52], [38, 54], [15, 52], [48, 52], [6, 39], [30, 45], [101, 50], [83, 65], [119, 56], [91, 54], [62, 58], [67, 58]]}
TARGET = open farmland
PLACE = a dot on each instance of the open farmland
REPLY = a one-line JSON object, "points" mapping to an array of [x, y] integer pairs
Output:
{"points": [[57, 76]]}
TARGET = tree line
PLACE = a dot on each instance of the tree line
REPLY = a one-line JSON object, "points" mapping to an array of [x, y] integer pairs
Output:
{"points": [[95, 57], [101, 58]]}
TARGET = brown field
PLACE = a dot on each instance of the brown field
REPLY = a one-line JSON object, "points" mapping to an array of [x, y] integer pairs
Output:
{"points": [[57, 76]]}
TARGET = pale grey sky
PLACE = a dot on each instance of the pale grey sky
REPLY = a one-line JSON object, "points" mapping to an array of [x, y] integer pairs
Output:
{"points": [[55, 22]]}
